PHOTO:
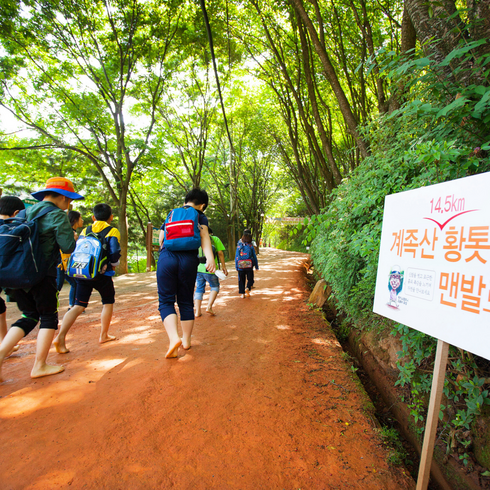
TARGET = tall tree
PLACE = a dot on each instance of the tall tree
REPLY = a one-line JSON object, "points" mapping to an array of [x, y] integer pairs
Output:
{"points": [[329, 70], [187, 112], [77, 69]]}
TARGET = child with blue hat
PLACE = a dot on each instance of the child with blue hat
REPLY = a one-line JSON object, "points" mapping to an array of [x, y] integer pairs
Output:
{"points": [[40, 302]]}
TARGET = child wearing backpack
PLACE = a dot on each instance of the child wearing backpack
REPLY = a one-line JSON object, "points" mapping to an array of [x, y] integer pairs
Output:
{"points": [[110, 252], [51, 232], [204, 276], [245, 261], [76, 221], [9, 208], [184, 231]]}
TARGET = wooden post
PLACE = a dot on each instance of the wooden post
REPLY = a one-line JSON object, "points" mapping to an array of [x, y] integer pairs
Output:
{"points": [[149, 245], [433, 414]]}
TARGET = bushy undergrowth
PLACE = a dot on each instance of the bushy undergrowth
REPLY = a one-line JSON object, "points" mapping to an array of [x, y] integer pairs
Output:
{"points": [[438, 135], [441, 133]]}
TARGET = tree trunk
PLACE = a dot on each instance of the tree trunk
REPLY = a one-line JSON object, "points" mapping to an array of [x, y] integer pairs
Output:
{"points": [[367, 33], [409, 39], [440, 31], [332, 78], [123, 230], [479, 16], [314, 105], [232, 241]]}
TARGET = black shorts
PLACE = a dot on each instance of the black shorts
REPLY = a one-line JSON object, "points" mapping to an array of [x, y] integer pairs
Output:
{"points": [[103, 284], [39, 303]]}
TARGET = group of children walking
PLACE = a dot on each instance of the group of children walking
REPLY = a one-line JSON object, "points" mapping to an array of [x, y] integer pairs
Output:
{"points": [[189, 257]]}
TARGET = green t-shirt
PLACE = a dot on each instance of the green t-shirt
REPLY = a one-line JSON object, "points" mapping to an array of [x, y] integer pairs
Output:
{"points": [[219, 247]]}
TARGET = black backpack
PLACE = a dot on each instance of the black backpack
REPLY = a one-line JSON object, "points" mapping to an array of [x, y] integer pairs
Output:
{"points": [[202, 257], [22, 262]]}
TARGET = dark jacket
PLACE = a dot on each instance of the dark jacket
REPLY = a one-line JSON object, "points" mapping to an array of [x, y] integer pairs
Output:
{"points": [[55, 233]]}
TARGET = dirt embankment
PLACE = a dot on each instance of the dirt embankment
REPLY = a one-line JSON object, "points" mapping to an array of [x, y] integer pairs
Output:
{"points": [[264, 399]]}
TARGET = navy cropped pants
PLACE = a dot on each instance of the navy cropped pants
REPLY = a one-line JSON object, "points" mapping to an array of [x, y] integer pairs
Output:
{"points": [[176, 278]]}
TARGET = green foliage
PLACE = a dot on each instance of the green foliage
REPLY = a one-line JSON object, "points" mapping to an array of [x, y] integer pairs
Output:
{"points": [[427, 141], [415, 363], [465, 390], [290, 238], [397, 455], [441, 132], [137, 264]]}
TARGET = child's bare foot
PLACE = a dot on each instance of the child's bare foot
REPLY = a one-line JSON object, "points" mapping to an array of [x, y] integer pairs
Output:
{"points": [[106, 338], [45, 370], [173, 349], [198, 314], [210, 312], [185, 345], [60, 346], [15, 349]]}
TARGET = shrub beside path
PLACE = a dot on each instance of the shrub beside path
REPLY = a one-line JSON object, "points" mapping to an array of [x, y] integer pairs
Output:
{"points": [[263, 400]]}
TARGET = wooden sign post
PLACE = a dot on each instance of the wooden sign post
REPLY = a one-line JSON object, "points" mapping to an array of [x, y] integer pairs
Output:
{"points": [[152, 244], [434, 276], [149, 248], [433, 414]]}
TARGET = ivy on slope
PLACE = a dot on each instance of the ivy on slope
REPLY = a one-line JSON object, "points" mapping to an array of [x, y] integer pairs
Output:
{"points": [[441, 133]]}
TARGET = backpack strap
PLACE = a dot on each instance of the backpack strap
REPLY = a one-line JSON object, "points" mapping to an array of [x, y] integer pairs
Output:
{"points": [[103, 234], [100, 234], [22, 214], [41, 213]]}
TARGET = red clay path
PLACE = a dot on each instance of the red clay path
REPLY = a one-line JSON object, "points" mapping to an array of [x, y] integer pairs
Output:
{"points": [[263, 400]]}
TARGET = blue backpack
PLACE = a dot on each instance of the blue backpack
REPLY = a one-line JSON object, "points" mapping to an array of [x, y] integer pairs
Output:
{"points": [[22, 262], [244, 256], [181, 230], [90, 255]]}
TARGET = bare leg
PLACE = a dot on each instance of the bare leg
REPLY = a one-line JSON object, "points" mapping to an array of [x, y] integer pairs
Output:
{"points": [[9, 342], [197, 307], [105, 323], [211, 300], [4, 330], [44, 340], [170, 324], [187, 327], [66, 324]]}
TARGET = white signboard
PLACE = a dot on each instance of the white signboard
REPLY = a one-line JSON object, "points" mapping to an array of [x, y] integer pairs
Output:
{"points": [[434, 263]]}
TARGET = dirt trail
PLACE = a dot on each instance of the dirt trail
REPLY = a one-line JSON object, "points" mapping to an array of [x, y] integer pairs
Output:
{"points": [[263, 400]]}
